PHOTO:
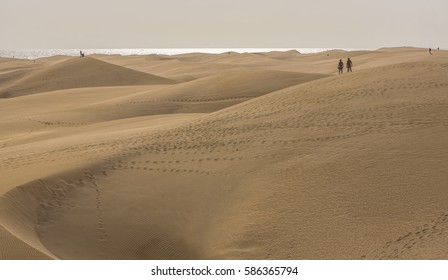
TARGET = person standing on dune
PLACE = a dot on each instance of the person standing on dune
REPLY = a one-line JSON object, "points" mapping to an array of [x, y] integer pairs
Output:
{"points": [[341, 66], [349, 65]]}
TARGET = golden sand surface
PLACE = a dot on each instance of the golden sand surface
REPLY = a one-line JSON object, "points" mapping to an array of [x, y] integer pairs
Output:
{"points": [[225, 156]]}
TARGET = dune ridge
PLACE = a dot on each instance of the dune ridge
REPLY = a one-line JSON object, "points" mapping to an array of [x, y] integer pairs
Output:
{"points": [[268, 156], [78, 73]]}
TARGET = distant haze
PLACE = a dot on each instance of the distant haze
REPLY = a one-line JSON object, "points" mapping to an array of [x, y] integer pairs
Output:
{"points": [[40, 24]]}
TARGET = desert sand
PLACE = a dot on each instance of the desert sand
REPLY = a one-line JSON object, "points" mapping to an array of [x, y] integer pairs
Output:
{"points": [[225, 156]]}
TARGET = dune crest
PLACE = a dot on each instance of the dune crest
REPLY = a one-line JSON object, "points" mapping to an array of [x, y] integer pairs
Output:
{"points": [[79, 73]]}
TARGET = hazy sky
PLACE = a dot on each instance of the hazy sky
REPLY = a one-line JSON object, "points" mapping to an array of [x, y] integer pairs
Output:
{"points": [[28, 24]]}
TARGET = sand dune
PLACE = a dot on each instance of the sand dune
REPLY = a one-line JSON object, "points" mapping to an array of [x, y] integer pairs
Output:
{"points": [[269, 156], [79, 73]]}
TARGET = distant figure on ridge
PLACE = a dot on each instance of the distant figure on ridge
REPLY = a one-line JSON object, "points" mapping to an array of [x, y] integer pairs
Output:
{"points": [[341, 66], [349, 65], [430, 51]]}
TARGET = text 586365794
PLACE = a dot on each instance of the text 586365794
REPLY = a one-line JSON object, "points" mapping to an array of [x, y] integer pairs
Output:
{"points": [[279, 270]]}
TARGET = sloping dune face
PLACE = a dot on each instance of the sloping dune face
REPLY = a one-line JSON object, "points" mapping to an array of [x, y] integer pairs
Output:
{"points": [[79, 73], [311, 167]]}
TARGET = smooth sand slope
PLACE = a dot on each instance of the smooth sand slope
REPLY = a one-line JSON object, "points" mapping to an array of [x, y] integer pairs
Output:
{"points": [[77, 73], [231, 156]]}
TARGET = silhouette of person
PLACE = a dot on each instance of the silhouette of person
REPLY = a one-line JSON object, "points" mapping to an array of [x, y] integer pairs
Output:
{"points": [[349, 65], [430, 51], [438, 48], [341, 66]]}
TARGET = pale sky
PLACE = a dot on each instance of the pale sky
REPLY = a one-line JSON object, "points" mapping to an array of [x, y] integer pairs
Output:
{"points": [[34, 24]]}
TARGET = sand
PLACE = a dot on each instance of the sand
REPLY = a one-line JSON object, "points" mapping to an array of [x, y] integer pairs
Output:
{"points": [[227, 156]]}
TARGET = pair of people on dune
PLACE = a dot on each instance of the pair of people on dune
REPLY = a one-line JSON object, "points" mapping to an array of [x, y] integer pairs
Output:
{"points": [[341, 66]]}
